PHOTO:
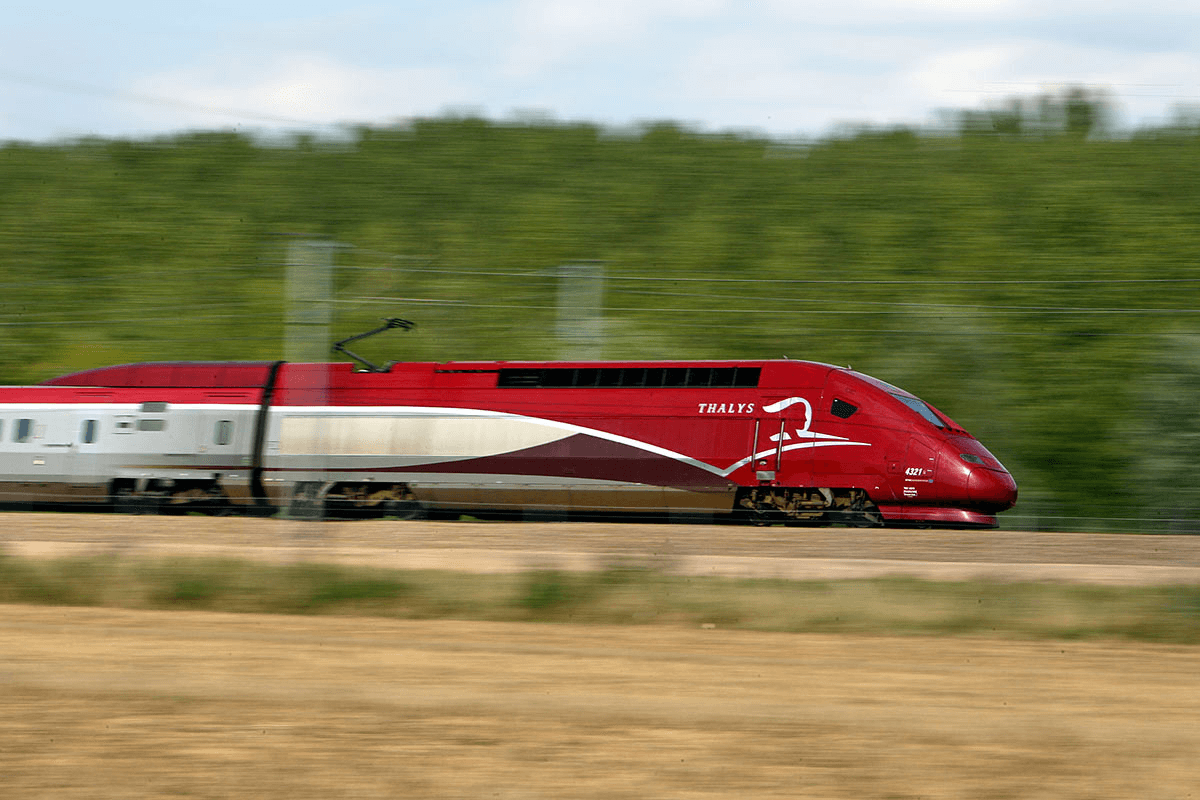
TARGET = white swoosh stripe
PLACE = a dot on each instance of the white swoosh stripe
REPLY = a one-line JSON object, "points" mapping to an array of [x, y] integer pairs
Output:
{"points": [[801, 446], [421, 411]]}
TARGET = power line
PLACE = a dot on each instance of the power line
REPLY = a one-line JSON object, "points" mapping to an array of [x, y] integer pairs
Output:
{"points": [[121, 320], [851, 308], [990, 307], [971, 311], [548, 276], [75, 87], [27, 317]]}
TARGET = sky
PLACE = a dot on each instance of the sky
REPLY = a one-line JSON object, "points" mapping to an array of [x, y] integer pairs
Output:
{"points": [[782, 68]]}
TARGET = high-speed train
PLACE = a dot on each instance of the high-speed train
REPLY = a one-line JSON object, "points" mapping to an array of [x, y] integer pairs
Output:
{"points": [[756, 440]]}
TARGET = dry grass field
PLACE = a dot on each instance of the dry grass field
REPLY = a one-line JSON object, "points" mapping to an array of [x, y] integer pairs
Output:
{"points": [[121, 704], [109, 703], [739, 551]]}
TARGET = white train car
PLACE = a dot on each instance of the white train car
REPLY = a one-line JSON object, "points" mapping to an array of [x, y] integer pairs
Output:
{"points": [[132, 439]]}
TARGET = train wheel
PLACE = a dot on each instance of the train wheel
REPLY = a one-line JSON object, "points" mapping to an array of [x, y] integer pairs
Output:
{"points": [[305, 509], [305, 504], [758, 517], [123, 502], [403, 509], [140, 504], [221, 508], [127, 501], [864, 513]]}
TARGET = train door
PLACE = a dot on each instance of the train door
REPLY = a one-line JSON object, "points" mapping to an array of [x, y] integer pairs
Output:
{"points": [[215, 436], [205, 432], [782, 453], [920, 464], [767, 451], [86, 453]]}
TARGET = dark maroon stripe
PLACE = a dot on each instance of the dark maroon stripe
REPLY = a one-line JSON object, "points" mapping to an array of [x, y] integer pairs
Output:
{"points": [[583, 456]]}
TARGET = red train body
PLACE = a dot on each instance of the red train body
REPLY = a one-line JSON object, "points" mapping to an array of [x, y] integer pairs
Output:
{"points": [[790, 441]]}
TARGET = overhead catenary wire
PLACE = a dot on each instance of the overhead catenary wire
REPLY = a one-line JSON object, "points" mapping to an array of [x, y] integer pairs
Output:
{"points": [[848, 306], [545, 274], [942, 309], [80, 88], [658, 311]]}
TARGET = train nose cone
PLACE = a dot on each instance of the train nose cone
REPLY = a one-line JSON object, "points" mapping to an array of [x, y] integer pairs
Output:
{"points": [[992, 489]]}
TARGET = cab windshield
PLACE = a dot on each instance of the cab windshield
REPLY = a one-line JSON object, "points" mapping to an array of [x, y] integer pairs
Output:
{"points": [[922, 409]]}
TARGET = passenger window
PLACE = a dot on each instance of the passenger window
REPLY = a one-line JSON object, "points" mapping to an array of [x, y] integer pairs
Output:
{"points": [[724, 376], [610, 377], [151, 424], [88, 434], [224, 432], [587, 376], [23, 431], [675, 376]]}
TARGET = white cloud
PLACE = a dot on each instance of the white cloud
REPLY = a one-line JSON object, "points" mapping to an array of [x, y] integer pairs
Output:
{"points": [[807, 77], [1151, 87], [794, 79], [974, 71], [786, 66], [876, 12], [1140, 84], [546, 33], [301, 88]]}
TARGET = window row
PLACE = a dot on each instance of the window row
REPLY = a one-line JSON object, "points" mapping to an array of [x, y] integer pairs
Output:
{"points": [[128, 424], [24, 430], [621, 377]]}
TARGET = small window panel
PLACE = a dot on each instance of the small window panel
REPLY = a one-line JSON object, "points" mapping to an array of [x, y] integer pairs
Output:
{"points": [[151, 424], [224, 432], [87, 433], [922, 409], [843, 409], [587, 376], [675, 376], [23, 431]]}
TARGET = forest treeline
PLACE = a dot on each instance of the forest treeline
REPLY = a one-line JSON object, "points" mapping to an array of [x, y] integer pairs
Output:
{"points": [[1033, 278]]}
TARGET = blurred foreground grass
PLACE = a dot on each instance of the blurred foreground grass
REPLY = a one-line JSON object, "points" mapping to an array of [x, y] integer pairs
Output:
{"points": [[618, 595]]}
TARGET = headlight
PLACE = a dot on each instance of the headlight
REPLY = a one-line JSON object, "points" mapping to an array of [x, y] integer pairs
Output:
{"points": [[970, 458]]}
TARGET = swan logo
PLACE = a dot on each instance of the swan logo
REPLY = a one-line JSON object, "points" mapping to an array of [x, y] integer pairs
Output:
{"points": [[775, 408]]}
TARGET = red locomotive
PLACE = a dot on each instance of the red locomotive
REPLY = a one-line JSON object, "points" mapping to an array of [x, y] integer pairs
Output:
{"points": [[778, 440]]}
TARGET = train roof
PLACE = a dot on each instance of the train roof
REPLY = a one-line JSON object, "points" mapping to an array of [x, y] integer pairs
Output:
{"points": [[252, 374], [174, 374]]}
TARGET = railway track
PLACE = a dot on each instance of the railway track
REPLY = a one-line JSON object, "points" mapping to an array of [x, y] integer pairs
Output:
{"points": [[778, 552]]}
